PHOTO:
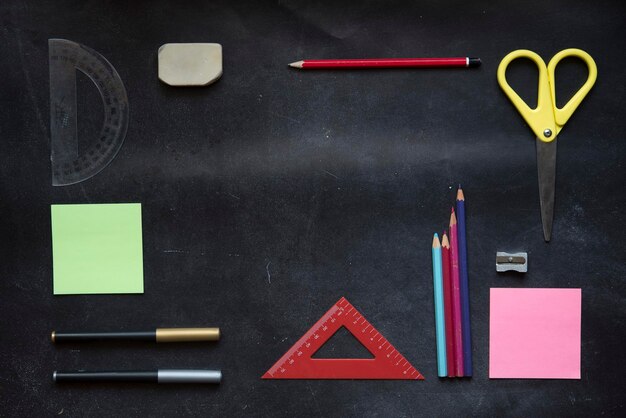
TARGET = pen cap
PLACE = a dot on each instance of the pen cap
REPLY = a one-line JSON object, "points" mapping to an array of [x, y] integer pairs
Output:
{"points": [[166, 335], [189, 376]]}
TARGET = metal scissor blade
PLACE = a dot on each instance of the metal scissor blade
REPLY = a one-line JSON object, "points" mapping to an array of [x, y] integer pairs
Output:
{"points": [[546, 168]]}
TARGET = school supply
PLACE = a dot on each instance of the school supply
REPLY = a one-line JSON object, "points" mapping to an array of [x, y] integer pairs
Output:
{"points": [[447, 304], [455, 284], [440, 327], [534, 333], [144, 376], [335, 64], [546, 119], [97, 248], [193, 64], [511, 262], [387, 363], [457, 327], [70, 163], [160, 335], [464, 284]]}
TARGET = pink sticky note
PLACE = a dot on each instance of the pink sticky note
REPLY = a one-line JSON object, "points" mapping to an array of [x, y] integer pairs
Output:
{"points": [[534, 333]]}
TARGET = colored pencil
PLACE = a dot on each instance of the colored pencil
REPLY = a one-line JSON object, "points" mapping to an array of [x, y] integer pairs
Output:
{"points": [[447, 303], [328, 64], [464, 284], [456, 297], [440, 329]]}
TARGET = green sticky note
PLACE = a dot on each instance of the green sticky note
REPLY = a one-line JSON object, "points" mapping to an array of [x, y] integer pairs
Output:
{"points": [[97, 249]]}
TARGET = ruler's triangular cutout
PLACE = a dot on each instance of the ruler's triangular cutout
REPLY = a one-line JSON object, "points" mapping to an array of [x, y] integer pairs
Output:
{"points": [[342, 344], [387, 363]]}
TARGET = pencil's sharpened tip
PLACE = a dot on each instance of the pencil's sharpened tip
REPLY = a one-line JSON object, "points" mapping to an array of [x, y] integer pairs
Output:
{"points": [[297, 64], [436, 243], [460, 195], [444, 241]]}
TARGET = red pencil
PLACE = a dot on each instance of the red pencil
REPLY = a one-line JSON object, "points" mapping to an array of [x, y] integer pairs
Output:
{"points": [[386, 63], [447, 304], [456, 296]]}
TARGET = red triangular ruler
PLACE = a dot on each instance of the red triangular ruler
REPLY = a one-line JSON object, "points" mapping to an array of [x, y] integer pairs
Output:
{"points": [[387, 363]]}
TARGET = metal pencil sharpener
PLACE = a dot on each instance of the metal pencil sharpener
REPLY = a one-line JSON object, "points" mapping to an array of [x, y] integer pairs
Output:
{"points": [[511, 262]]}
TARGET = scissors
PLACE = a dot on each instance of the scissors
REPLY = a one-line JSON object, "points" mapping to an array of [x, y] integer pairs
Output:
{"points": [[546, 119]]}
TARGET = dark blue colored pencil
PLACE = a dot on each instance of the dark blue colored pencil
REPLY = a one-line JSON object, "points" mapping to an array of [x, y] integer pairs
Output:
{"points": [[464, 285]]}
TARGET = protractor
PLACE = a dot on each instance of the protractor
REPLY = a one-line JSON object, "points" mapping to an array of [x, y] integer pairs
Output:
{"points": [[70, 164]]}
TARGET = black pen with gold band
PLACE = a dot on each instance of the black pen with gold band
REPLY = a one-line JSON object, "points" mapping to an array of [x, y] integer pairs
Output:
{"points": [[160, 335]]}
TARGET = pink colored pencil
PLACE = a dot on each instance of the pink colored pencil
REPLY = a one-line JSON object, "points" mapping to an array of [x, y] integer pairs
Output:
{"points": [[447, 305], [456, 296]]}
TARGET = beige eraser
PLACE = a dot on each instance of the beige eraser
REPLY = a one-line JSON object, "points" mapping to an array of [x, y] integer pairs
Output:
{"points": [[190, 64]]}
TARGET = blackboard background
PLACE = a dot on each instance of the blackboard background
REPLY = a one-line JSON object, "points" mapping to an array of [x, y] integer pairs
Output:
{"points": [[333, 182]]}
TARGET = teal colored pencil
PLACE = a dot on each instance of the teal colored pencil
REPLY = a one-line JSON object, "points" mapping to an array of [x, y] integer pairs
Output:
{"points": [[440, 325]]}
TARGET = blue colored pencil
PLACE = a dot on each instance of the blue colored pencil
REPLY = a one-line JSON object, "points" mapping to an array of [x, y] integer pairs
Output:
{"points": [[464, 284], [440, 326]]}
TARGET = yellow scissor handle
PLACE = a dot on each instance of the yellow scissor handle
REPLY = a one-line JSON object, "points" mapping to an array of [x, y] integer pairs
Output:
{"points": [[563, 114], [540, 119], [546, 120]]}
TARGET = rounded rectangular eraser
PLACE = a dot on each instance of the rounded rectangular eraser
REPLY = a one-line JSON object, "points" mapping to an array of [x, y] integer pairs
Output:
{"points": [[190, 64]]}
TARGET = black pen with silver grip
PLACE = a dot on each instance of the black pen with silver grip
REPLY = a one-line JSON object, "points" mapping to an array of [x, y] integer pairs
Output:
{"points": [[140, 376]]}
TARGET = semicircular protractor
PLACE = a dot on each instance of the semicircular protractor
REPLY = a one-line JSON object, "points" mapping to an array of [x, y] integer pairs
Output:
{"points": [[70, 163]]}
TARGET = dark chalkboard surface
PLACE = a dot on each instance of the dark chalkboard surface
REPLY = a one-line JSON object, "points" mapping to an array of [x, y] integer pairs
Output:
{"points": [[272, 193]]}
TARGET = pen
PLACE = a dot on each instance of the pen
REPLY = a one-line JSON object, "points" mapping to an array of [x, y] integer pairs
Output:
{"points": [[386, 63], [144, 376], [160, 335]]}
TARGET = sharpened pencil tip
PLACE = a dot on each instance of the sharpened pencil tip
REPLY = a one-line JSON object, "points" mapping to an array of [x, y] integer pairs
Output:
{"points": [[444, 241], [436, 241], [460, 195], [452, 219], [297, 64]]}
